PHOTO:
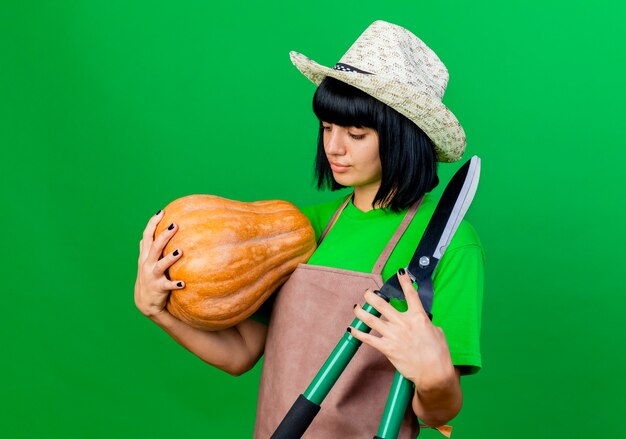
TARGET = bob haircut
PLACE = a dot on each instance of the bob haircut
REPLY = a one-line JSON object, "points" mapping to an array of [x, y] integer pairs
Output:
{"points": [[407, 155]]}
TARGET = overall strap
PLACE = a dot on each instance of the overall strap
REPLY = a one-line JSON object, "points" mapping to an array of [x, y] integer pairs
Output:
{"points": [[382, 259], [332, 221]]}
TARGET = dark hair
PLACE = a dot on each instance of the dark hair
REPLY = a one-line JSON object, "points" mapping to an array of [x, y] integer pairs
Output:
{"points": [[407, 155]]}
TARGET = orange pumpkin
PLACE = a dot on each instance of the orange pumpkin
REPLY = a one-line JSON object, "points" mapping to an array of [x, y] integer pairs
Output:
{"points": [[235, 255]]}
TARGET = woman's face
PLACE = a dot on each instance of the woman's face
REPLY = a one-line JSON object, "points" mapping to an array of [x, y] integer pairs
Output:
{"points": [[353, 155]]}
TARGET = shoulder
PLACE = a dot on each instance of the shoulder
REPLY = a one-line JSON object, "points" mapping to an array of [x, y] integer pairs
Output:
{"points": [[465, 235], [319, 214]]}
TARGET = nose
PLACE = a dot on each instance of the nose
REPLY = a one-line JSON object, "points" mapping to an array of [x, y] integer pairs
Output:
{"points": [[333, 142]]}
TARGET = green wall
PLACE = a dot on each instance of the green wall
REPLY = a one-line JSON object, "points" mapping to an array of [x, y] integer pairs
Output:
{"points": [[111, 109]]}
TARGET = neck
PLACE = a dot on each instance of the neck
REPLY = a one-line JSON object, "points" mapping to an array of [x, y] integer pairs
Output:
{"points": [[364, 196]]}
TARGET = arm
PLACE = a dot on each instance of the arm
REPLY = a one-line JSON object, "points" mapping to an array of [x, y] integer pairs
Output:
{"points": [[437, 404], [234, 350], [458, 285]]}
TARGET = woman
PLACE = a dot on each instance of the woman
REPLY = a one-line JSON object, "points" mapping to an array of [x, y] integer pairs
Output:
{"points": [[382, 130]]}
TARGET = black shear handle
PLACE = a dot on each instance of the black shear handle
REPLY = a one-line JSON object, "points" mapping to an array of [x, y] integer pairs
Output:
{"points": [[297, 420]]}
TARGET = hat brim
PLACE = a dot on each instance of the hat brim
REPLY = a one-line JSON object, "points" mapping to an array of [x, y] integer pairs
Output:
{"points": [[430, 114]]}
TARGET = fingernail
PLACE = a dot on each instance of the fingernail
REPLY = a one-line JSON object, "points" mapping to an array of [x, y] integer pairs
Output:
{"points": [[175, 253], [171, 227], [160, 210], [349, 329], [401, 272], [179, 284]]}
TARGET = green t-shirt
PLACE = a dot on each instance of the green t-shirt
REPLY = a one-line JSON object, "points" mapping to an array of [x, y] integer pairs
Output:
{"points": [[358, 238]]}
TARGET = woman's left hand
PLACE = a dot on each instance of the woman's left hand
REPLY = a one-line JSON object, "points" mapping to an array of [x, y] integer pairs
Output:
{"points": [[417, 348]]}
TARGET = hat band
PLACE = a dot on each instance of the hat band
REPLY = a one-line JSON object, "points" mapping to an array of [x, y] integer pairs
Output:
{"points": [[348, 68]]}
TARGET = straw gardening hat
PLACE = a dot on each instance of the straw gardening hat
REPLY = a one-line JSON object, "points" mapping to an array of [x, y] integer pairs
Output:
{"points": [[391, 64]]}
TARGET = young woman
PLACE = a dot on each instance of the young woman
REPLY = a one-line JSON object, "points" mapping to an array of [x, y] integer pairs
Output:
{"points": [[382, 131]]}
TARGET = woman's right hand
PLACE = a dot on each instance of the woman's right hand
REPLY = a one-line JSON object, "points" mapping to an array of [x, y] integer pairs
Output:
{"points": [[152, 287]]}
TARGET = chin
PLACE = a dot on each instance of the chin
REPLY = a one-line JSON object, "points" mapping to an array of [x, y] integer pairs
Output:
{"points": [[344, 181]]}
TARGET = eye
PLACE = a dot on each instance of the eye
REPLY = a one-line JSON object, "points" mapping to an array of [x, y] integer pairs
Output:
{"points": [[357, 136]]}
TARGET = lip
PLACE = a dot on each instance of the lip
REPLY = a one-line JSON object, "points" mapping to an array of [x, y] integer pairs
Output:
{"points": [[338, 167]]}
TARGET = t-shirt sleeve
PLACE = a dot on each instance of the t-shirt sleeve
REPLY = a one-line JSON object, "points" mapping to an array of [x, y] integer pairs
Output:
{"points": [[313, 214], [320, 214], [457, 306]]}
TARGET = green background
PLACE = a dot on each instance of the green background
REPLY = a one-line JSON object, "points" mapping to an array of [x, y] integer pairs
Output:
{"points": [[109, 110]]}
